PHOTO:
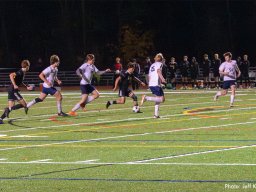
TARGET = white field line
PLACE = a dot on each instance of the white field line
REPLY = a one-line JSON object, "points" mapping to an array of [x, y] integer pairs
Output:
{"points": [[41, 160], [124, 163], [28, 136], [3, 135], [192, 154], [87, 161], [115, 121], [3, 159], [125, 136]]}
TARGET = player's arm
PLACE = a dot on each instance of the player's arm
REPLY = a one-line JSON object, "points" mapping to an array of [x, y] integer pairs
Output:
{"points": [[80, 73], [116, 83], [57, 80], [102, 72], [139, 81], [12, 77], [42, 77], [159, 72]]}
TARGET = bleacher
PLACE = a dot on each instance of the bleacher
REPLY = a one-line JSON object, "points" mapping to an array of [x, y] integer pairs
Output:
{"points": [[69, 78]]}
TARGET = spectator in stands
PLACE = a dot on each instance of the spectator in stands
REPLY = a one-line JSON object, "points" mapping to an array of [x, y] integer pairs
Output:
{"points": [[206, 64], [184, 66], [216, 62], [194, 71], [118, 67], [239, 64], [146, 68], [245, 70], [172, 67], [164, 68], [135, 84]]}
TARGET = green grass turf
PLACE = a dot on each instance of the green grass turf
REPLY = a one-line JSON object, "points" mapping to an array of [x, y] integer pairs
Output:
{"points": [[204, 151]]}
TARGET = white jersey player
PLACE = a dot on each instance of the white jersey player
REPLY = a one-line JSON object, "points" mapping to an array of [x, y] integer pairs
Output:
{"points": [[86, 72], [155, 80], [49, 76], [230, 72]]}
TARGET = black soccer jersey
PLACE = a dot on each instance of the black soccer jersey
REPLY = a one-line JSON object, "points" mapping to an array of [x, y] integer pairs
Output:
{"points": [[125, 80], [18, 78]]}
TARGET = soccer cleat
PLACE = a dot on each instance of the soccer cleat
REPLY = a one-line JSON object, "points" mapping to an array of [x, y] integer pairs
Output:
{"points": [[108, 104], [156, 117], [72, 113], [231, 105], [26, 110], [143, 99], [216, 97], [62, 114], [7, 112], [1, 121]]}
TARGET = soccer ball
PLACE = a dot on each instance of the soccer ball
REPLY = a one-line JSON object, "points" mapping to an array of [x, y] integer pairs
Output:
{"points": [[136, 109]]}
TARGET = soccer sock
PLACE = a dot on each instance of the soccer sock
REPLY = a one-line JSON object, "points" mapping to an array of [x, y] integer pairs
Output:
{"points": [[157, 108], [18, 106], [76, 107], [218, 93], [112, 102], [36, 100], [232, 99], [89, 99], [154, 99], [3, 116], [59, 106]]}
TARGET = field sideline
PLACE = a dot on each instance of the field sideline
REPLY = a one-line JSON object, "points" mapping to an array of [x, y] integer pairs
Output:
{"points": [[197, 145]]}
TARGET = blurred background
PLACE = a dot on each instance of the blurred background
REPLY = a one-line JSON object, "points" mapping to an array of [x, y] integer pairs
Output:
{"points": [[128, 29]]}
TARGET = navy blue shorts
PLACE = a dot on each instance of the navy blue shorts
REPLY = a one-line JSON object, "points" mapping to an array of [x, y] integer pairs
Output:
{"points": [[124, 92], [50, 90], [87, 89], [228, 84], [156, 90]]}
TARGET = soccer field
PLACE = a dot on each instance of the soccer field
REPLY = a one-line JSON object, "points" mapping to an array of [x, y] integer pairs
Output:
{"points": [[197, 145]]}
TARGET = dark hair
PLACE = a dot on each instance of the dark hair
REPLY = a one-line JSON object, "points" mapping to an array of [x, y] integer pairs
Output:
{"points": [[54, 59], [227, 54], [130, 65]]}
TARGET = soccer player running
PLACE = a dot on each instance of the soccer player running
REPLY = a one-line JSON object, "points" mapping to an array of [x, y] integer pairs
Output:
{"points": [[13, 91], [86, 72], [155, 80], [231, 72], [123, 80], [48, 76]]}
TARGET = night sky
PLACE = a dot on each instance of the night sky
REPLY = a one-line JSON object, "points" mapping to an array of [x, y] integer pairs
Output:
{"points": [[37, 29]]}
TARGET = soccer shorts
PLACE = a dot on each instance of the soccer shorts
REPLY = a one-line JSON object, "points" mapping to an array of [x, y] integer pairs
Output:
{"points": [[228, 84], [87, 89], [156, 90], [50, 90]]}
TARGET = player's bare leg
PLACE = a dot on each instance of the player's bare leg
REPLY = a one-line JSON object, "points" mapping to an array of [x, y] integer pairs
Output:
{"points": [[59, 97], [220, 93], [232, 96]]}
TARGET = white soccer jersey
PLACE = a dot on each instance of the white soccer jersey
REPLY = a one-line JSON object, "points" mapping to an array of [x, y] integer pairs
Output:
{"points": [[88, 71], [154, 79], [50, 74], [230, 67]]}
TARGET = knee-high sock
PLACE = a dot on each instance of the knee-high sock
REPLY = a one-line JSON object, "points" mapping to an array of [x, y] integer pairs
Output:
{"points": [[59, 106], [154, 99], [157, 108], [232, 99], [18, 106], [76, 107], [89, 99]]}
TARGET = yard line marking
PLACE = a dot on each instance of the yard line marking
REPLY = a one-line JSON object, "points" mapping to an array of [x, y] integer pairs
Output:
{"points": [[125, 136], [87, 161], [129, 164], [41, 160], [3, 159], [27, 136], [192, 154], [3, 135]]}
